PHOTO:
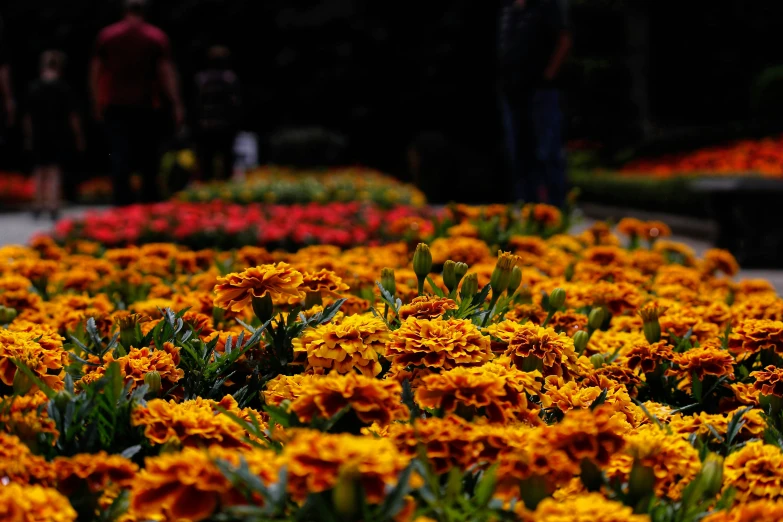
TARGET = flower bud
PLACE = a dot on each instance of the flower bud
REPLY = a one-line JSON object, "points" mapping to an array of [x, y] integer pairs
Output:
{"points": [[22, 382], [460, 269], [388, 282], [7, 314], [711, 476], [580, 341], [469, 286], [449, 277], [62, 399], [641, 481], [422, 261], [345, 495], [127, 324], [569, 272], [557, 299], [597, 360], [263, 307], [501, 275], [515, 280], [596, 318], [651, 326], [152, 380]]}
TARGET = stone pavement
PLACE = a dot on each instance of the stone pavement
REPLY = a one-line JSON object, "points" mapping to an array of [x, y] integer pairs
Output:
{"points": [[19, 227]]}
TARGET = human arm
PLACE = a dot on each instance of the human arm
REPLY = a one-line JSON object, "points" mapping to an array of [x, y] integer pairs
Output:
{"points": [[7, 93], [559, 55], [78, 134], [170, 84], [95, 75]]}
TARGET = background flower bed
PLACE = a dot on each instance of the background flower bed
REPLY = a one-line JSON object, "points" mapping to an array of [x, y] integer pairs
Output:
{"points": [[663, 184], [287, 186], [17, 189], [603, 380], [227, 225]]}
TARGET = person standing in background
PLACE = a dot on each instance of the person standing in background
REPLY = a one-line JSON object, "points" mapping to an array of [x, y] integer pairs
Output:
{"points": [[533, 43], [131, 70], [51, 126], [217, 118]]}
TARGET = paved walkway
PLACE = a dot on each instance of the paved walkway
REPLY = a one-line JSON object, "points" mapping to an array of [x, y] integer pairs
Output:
{"points": [[19, 227]]}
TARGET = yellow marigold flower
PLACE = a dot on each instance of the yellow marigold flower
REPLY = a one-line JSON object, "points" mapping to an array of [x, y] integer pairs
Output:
{"points": [[535, 347], [646, 261], [647, 357], [465, 229], [755, 471], [450, 441], [701, 361], [753, 335], [501, 392], [679, 251], [18, 464], [427, 307], [569, 395], [746, 394], [26, 415], [438, 344], [324, 282], [20, 503], [583, 434], [718, 260], [46, 363], [93, 471], [356, 342], [135, 365], [284, 388], [193, 423], [630, 227], [280, 281], [769, 381], [617, 297], [370, 399], [587, 507], [466, 249], [704, 424], [34, 269], [749, 512], [674, 461], [315, 460], [189, 486]]}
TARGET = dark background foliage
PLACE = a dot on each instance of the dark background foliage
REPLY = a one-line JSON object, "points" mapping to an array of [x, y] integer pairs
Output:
{"points": [[381, 73]]}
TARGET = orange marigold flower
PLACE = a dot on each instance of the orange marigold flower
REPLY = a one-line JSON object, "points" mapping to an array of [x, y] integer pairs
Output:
{"points": [[753, 335], [466, 249], [501, 392], [674, 461], [18, 464], [324, 282], [449, 442], [769, 381], [438, 344], [26, 415], [630, 227], [193, 423], [718, 260], [356, 342], [546, 215], [45, 361], [699, 362], [749, 512], [583, 434], [189, 486], [315, 460], [135, 365], [647, 357], [21, 503], [586, 507], [280, 281], [427, 307], [618, 297], [755, 471], [651, 230], [370, 399], [93, 471], [535, 347], [284, 388]]}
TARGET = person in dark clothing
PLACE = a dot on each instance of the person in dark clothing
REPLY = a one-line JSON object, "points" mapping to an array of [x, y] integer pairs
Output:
{"points": [[131, 71], [51, 127], [217, 118], [534, 41]]}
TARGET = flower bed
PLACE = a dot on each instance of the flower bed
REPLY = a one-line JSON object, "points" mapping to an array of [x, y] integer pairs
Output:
{"points": [[226, 225], [569, 379], [18, 189], [286, 186]]}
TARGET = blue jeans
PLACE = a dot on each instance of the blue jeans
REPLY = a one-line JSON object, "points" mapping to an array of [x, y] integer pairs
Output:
{"points": [[533, 125]]}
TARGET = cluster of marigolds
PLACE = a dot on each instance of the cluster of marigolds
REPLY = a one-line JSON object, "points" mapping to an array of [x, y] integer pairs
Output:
{"points": [[605, 376]]}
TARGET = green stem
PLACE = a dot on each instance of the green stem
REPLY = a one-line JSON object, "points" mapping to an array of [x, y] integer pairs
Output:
{"points": [[548, 318], [492, 303], [421, 286]]}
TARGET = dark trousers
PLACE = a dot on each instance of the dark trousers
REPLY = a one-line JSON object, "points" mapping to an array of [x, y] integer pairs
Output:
{"points": [[533, 127], [213, 145], [134, 141]]}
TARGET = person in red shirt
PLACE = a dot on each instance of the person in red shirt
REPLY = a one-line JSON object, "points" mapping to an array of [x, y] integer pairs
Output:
{"points": [[131, 71]]}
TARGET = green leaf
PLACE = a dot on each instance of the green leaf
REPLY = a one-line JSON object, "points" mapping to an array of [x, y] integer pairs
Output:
{"points": [[435, 288], [600, 399], [697, 387], [486, 486], [395, 499], [50, 393]]}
